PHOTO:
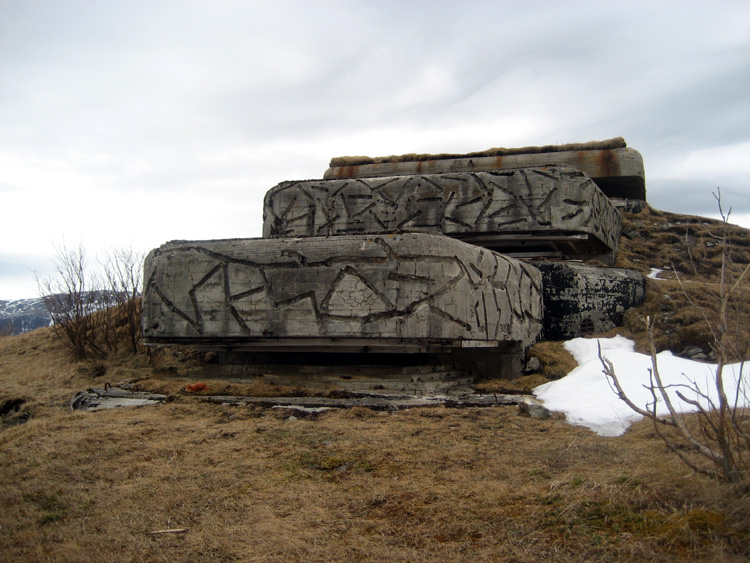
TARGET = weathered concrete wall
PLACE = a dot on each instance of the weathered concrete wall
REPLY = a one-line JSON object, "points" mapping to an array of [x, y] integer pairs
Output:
{"points": [[371, 372], [616, 143], [398, 288], [580, 300], [509, 211], [618, 172]]}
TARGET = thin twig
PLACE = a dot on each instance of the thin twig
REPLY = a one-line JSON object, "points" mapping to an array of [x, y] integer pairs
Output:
{"points": [[172, 531]]}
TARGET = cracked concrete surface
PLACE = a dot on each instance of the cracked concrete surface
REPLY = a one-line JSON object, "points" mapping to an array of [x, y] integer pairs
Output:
{"points": [[580, 300], [509, 208], [403, 287], [378, 262]]}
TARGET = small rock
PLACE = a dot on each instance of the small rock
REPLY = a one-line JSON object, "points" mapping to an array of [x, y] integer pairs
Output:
{"points": [[82, 400], [533, 409], [532, 365], [629, 205], [710, 243], [694, 353]]}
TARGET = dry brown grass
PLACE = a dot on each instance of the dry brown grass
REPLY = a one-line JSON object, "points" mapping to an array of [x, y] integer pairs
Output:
{"points": [[686, 248], [685, 243], [616, 143], [255, 484]]}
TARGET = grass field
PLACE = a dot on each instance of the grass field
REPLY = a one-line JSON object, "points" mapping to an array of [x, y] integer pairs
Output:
{"points": [[256, 484]]}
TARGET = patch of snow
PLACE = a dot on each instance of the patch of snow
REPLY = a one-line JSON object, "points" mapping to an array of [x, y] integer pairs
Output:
{"points": [[587, 398], [654, 274]]}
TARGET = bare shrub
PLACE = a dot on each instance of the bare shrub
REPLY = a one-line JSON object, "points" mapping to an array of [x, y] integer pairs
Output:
{"points": [[721, 433], [72, 297], [123, 269], [93, 311]]}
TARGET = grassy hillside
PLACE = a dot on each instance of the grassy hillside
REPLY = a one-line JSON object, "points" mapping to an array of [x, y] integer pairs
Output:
{"points": [[686, 248], [431, 484]]}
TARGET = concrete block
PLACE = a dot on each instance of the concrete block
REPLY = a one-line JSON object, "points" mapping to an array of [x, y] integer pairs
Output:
{"points": [[530, 212], [581, 300], [351, 372], [618, 172], [406, 291]]}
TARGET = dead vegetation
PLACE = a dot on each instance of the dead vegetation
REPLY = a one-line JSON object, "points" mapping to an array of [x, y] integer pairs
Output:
{"points": [[92, 311], [722, 435], [688, 252], [616, 143], [245, 483]]}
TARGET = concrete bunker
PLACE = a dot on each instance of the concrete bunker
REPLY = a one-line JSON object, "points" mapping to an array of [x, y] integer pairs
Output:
{"points": [[526, 213], [617, 169], [404, 276], [392, 294], [580, 300]]}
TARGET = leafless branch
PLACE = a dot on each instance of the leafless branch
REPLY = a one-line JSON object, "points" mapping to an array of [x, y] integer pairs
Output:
{"points": [[723, 425]]}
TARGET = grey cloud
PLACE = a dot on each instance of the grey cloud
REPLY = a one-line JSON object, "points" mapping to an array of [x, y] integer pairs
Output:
{"points": [[695, 196]]}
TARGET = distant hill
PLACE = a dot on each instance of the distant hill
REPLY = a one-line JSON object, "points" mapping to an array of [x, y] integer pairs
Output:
{"points": [[23, 315]]}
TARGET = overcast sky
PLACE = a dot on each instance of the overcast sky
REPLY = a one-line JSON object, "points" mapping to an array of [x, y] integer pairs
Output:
{"points": [[134, 123]]}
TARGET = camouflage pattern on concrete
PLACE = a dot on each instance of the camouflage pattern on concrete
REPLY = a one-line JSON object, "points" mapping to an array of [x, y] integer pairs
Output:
{"points": [[402, 288], [580, 300], [522, 212]]}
